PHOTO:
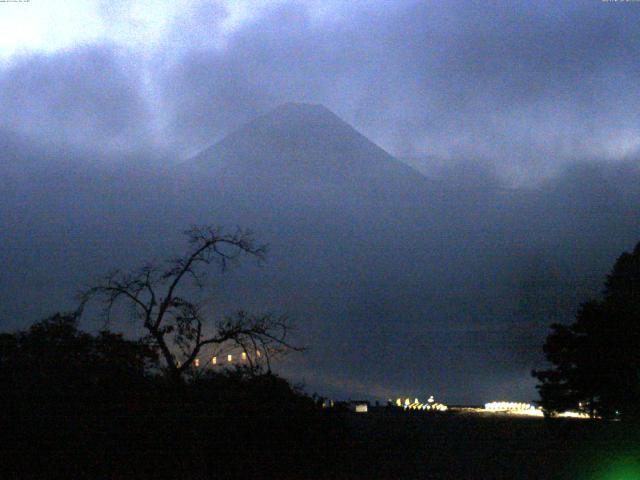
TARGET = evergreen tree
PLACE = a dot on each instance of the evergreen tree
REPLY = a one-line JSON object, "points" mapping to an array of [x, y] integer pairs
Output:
{"points": [[596, 360]]}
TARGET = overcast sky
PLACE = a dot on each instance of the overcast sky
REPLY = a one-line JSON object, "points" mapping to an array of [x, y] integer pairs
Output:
{"points": [[522, 87]]}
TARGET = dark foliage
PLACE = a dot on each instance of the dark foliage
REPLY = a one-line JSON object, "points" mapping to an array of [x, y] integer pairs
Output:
{"points": [[53, 362], [75, 405], [596, 360]]}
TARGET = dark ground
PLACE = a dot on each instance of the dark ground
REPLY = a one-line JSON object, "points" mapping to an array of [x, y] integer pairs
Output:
{"points": [[383, 444], [402, 445]]}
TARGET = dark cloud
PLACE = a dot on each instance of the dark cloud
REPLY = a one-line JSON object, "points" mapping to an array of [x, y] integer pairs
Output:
{"points": [[529, 85], [87, 96]]}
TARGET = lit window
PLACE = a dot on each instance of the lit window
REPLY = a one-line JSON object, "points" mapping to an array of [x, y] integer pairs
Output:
{"points": [[214, 360], [197, 362], [244, 355], [362, 408], [229, 358]]}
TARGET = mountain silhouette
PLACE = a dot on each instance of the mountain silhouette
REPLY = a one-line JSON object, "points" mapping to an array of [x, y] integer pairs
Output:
{"points": [[304, 147]]}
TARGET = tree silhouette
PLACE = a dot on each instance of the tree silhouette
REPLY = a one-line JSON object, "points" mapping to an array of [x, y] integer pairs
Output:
{"points": [[157, 295], [596, 360], [94, 403], [54, 359]]}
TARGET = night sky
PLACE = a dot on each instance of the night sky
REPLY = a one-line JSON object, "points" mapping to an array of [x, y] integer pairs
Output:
{"points": [[524, 117]]}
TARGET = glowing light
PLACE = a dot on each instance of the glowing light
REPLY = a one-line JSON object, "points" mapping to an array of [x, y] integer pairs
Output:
{"points": [[514, 408], [214, 360], [244, 355], [196, 362], [573, 415], [625, 467], [229, 358], [506, 406], [431, 405]]}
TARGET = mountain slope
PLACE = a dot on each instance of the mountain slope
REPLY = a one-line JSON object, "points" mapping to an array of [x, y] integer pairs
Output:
{"points": [[304, 147]]}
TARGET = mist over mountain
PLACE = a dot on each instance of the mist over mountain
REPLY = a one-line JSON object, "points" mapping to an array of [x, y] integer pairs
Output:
{"points": [[435, 283], [304, 148]]}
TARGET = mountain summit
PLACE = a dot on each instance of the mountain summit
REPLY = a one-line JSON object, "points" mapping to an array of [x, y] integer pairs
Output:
{"points": [[305, 144]]}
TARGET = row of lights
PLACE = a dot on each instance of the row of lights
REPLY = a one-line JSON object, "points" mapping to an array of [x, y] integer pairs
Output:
{"points": [[431, 404], [516, 408], [508, 407], [214, 359]]}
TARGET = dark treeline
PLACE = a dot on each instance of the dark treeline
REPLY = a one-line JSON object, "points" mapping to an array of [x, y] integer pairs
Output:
{"points": [[76, 405]]}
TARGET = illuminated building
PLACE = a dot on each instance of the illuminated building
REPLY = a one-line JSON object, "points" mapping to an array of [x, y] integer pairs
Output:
{"points": [[514, 408], [571, 414], [430, 405], [507, 406], [519, 408], [237, 358], [359, 406]]}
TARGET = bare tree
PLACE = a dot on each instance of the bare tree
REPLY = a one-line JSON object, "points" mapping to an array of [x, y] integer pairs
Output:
{"points": [[176, 325]]}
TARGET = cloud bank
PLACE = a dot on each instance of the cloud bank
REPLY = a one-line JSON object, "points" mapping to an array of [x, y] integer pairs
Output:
{"points": [[525, 88]]}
